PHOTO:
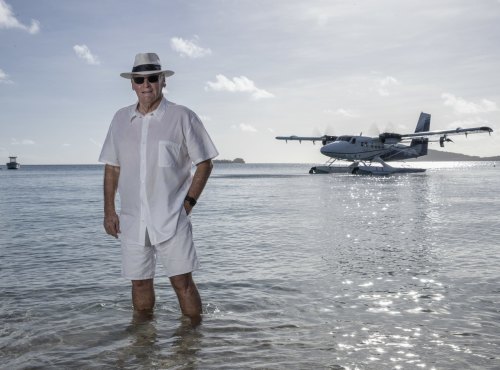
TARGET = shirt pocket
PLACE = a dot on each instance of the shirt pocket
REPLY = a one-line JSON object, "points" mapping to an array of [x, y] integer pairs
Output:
{"points": [[168, 153]]}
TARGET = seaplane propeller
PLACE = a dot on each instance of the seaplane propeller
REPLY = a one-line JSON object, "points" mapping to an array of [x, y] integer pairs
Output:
{"points": [[328, 139]]}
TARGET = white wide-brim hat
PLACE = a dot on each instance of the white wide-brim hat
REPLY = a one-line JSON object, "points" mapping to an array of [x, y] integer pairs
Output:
{"points": [[146, 64]]}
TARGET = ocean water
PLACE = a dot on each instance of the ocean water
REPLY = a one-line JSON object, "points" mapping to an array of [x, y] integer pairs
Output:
{"points": [[298, 271]]}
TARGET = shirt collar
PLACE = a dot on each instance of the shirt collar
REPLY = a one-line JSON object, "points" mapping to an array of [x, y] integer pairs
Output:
{"points": [[158, 112]]}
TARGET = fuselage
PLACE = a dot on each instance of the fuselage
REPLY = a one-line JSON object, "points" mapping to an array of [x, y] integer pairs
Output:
{"points": [[365, 148]]}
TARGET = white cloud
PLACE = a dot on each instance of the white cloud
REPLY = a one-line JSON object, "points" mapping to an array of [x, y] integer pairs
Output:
{"points": [[83, 52], [35, 27], [238, 84], [342, 112], [244, 127], [205, 118], [4, 78], [319, 15], [188, 48], [460, 105], [472, 122], [385, 84], [95, 142], [14, 141], [8, 20], [247, 128]]}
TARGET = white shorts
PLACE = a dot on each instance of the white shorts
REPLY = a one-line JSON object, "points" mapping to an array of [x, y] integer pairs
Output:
{"points": [[177, 254]]}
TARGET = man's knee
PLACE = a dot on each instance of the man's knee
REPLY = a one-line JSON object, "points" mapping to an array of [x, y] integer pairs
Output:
{"points": [[182, 283], [142, 284]]}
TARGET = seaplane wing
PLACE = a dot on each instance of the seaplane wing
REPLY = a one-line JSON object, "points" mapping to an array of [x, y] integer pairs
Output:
{"points": [[324, 139], [456, 131]]}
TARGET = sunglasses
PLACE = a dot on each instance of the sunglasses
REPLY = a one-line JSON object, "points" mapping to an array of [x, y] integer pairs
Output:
{"points": [[140, 80]]}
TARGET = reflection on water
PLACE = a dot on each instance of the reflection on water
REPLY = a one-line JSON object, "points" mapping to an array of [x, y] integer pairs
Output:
{"points": [[149, 349], [298, 271], [144, 347]]}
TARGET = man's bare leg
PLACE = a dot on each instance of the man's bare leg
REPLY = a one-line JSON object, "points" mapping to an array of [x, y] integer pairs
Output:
{"points": [[188, 296], [143, 297]]}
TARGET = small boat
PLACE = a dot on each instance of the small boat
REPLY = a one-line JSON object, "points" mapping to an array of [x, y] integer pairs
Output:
{"points": [[13, 164]]}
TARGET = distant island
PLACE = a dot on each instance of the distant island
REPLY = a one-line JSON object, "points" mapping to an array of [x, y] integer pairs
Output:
{"points": [[236, 160], [439, 156]]}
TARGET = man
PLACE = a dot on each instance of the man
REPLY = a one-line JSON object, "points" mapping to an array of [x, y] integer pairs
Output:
{"points": [[148, 154]]}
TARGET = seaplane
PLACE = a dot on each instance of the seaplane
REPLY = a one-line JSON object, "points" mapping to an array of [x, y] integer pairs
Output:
{"points": [[369, 155]]}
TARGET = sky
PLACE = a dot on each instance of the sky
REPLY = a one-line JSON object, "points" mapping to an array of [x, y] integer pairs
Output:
{"points": [[251, 69]]}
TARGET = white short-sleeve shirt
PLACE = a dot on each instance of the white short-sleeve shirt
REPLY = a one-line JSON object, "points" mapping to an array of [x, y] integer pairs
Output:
{"points": [[155, 153]]}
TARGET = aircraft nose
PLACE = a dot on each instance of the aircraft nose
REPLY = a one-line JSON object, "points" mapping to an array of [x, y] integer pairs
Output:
{"points": [[327, 149], [335, 149], [323, 150]]}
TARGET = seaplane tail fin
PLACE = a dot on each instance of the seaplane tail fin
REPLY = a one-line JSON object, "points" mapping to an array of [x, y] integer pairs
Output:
{"points": [[420, 144], [424, 122]]}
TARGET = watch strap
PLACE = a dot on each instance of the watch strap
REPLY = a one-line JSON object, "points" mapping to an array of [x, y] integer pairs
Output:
{"points": [[190, 200]]}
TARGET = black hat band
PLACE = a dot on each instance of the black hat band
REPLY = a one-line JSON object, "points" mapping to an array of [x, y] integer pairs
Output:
{"points": [[146, 67]]}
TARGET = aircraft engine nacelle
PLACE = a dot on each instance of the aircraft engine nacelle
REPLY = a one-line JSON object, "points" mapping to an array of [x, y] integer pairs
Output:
{"points": [[389, 138], [328, 139]]}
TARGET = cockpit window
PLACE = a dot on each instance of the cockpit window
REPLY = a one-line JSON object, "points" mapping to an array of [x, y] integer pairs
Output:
{"points": [[344, 138]]}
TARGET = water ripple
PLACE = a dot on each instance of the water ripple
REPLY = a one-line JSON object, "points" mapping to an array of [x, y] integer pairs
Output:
{"points": [[298, 271]]}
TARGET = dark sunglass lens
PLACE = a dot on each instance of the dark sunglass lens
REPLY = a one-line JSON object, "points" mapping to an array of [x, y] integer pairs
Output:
{"points": [[153, 78]]}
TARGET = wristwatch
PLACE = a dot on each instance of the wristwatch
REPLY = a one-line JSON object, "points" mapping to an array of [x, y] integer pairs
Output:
{"points": [[190, 200]]}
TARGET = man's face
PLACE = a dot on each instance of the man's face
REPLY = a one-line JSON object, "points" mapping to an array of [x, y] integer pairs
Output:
{"points": [[148, 88]]}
